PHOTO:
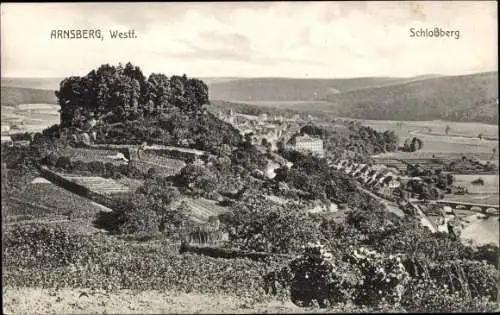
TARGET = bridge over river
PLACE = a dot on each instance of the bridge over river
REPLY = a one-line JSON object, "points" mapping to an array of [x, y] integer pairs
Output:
{"points": [[475, 207]]}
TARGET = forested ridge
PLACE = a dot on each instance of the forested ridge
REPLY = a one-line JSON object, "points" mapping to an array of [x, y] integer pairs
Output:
{"points": [[456, 98]]}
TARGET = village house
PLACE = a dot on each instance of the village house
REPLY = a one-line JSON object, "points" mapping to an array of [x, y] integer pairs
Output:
{"points": [[5, 129], [7, 141], [263, 117]]}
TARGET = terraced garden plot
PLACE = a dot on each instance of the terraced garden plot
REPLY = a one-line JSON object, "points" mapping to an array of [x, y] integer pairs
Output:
{"points": [[202, 209], [131, 183], [89, 155], [164, 166], [174, 164], [48, 201], [100, 185]]}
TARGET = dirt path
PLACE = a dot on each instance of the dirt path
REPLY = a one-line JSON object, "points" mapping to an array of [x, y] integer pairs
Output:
{"points": [[86, 301]]}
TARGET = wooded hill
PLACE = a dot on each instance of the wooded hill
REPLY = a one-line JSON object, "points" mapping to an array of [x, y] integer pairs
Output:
{"points": [[288, 89], [457, 98]]}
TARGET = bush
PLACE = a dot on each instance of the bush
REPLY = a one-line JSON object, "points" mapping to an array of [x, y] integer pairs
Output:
{"points": [[65, 163], [97, 168], [132, 216], [478, 181], [51, 159], [426, 296], [80, 166], [31, 246]]}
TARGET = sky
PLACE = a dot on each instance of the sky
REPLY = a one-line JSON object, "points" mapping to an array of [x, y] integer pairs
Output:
{"points": [[272, 39]]}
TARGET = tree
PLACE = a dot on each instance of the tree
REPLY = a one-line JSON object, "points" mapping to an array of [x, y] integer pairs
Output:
{"points": [[158, 195], [447, 129], [199, 180], [261, 225], [416, 144]]}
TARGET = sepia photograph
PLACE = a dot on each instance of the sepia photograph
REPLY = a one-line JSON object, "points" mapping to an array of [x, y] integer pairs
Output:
{"points": [[250, 157]]}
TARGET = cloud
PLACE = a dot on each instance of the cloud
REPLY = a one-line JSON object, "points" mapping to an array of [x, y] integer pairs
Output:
{"points": [[322, 39]]}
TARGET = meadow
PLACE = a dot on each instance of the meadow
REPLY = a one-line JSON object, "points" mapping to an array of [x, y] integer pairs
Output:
{"points": [[29, 117], [461, 140], [490, 183]]}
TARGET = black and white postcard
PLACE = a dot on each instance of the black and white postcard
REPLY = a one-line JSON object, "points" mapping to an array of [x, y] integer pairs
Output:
{"points": [[249, 157]]}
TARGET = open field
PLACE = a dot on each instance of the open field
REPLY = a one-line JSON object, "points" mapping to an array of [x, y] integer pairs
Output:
{"points": [[30, 117], [293, 105], [436, 126], [481, 194], [487, 199], [490, 183], [462, 140]]}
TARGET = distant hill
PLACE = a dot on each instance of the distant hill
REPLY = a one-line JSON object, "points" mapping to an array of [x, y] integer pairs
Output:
{"points": [[458, 98], [287, 89], [12, 96], [33, 83], [426, 97]]}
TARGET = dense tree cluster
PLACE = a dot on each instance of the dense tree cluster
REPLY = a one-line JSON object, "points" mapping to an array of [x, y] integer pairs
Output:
{"points": [[204, 132], [122, 93]]}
